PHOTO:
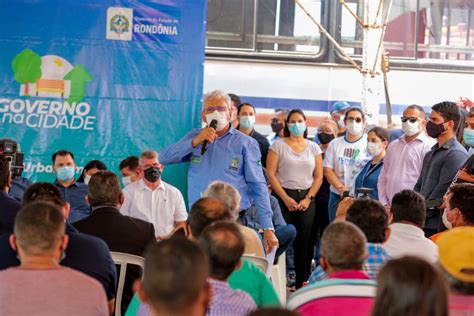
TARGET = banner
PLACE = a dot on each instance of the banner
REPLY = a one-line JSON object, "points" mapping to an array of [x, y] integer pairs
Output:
{"points": [[103, 79]]}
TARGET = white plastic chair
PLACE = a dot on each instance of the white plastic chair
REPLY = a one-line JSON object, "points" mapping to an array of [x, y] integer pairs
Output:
{"points": [[260, 262], [279, 278], [124, 259]]}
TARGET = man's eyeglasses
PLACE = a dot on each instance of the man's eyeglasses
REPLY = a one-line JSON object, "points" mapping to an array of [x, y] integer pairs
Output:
{"points": [[215, 108], [356, 119], [411, 119]]}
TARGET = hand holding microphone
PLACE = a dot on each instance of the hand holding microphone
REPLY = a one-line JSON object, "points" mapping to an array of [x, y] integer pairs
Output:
{"points": [[206, 136]]}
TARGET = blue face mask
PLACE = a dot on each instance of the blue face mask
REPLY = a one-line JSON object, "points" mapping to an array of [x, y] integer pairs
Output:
{"points": [[65, 173], [468, 136], [247, 122], [297, 129]]}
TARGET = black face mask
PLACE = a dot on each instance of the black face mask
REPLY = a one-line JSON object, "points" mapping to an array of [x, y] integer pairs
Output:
{"points": [[277, 127], [325, 138], [434, 130], [152, 174]]}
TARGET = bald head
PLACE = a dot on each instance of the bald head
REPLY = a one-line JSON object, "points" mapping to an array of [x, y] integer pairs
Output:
{"points": [[204, 212], [343, 246], [224, 245]]}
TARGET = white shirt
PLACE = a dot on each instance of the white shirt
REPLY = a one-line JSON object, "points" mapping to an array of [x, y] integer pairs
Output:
{"points": [[161, 207], [295, 170], [409, 240], [346, 159]]}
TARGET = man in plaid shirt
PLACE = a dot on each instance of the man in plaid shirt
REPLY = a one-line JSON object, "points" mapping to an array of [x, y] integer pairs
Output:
{"points": [[371, 217]]}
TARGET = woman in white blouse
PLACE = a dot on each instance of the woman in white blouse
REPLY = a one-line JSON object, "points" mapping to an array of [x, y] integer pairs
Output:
{"points": [[295, 169]]}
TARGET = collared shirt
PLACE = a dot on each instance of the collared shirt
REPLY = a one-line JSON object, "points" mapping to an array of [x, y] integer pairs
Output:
{"points": [[368, 177], [377, 258], [402, 166], [233, 158], [228, 302], [162, 207], [409, 240], [440, 166], [75, 194]]}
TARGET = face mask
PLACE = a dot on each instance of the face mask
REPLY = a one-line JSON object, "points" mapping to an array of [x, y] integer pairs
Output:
{"points": [[446, 222], [434, 130], [297, 129], [247, 122], [220, 117], [277, 127], [126, 180], [468, 136], [152, 174], [374, 149], [341, 123], [87, 179], [354, 128], [410, 129], [325, 138], [65, 173]]}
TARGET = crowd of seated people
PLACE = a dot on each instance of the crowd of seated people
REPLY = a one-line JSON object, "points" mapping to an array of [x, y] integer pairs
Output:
{"points": [[377, 225]]}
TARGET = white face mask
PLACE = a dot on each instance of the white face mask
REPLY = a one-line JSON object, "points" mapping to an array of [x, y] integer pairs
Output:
{"points": [[374, 149], [354, 128], [87, 178], [446, 222], [410, 129], [220, 117], [341, 123], [126, 180]]}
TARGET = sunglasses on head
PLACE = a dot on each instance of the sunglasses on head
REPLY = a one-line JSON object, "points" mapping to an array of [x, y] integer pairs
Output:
{"points": [[411, 119], [356, 119]]}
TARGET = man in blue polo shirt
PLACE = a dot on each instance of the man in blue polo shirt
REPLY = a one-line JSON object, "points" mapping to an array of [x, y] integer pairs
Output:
{"points": [[73, 192], [231, 157]]}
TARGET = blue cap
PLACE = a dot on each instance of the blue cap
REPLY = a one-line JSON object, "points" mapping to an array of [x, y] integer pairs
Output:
{"points": [[340, 106]]}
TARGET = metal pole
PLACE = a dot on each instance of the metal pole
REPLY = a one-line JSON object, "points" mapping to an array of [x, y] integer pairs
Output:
{"points": [[371, 82]]}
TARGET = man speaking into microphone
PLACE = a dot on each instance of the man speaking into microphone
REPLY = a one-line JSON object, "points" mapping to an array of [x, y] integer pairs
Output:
{"points": [[231, 156]]}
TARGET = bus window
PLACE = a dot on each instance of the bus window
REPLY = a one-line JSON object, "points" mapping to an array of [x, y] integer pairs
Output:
{"points": [[279, 27], [436, 32]]}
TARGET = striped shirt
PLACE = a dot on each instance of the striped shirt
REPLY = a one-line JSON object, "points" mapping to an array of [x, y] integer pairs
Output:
{"points": [[377, 258], [228, 302]]}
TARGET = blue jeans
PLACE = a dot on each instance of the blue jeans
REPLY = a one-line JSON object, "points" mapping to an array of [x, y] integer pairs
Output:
{"points": [[332, 205], [285, 235]]}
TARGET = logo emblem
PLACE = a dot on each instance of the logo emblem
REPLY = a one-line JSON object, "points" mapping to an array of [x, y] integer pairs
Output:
{"points": [[119, 24], [234, 164]]}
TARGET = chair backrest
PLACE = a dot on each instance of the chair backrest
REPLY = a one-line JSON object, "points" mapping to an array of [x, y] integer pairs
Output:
{"points": [[124, 259], [262, 263], [334, 292]]}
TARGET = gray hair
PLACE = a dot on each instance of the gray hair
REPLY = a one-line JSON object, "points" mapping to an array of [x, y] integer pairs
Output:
{"points": [[218, 94], [344, 245], [227, 194]]}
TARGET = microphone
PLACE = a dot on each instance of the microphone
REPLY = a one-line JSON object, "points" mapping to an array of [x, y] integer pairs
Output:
{"points": [[213, 124]]}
